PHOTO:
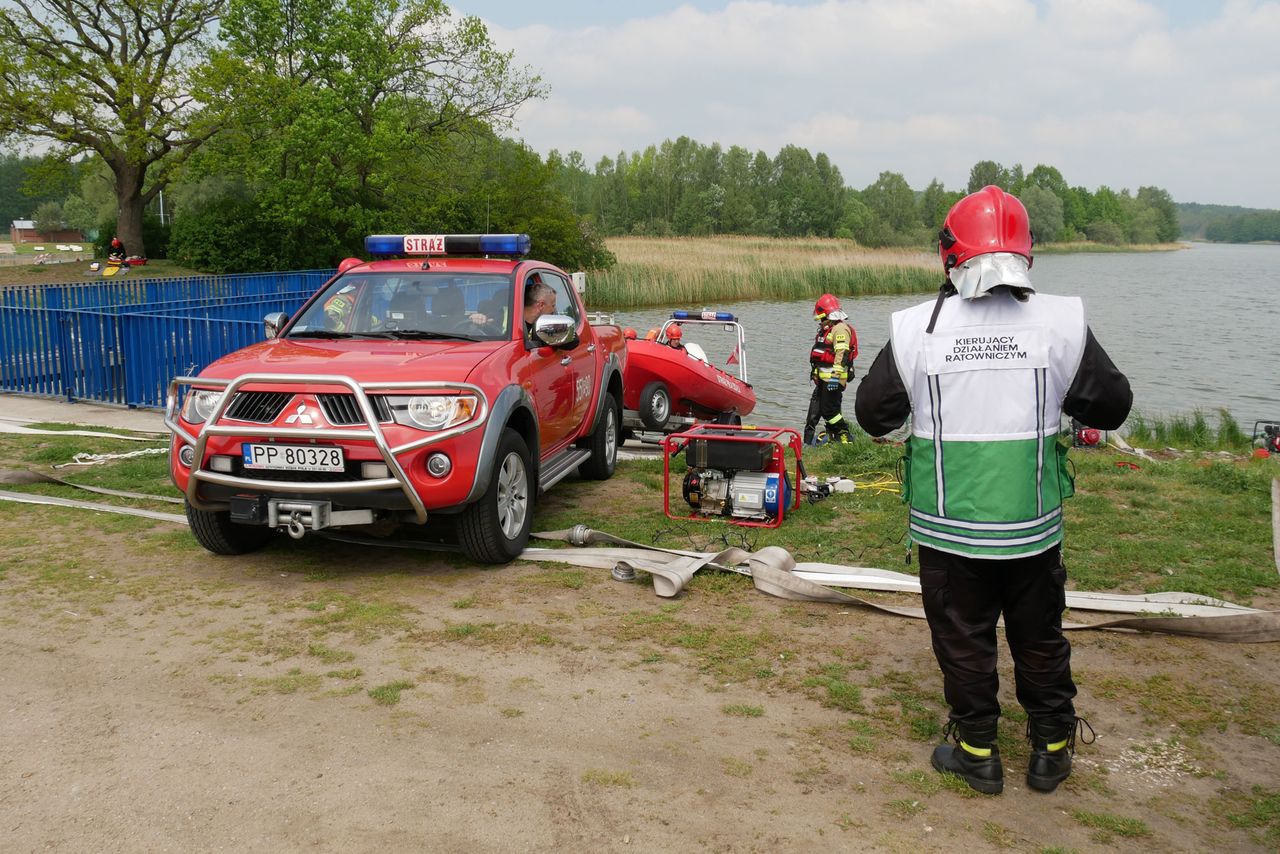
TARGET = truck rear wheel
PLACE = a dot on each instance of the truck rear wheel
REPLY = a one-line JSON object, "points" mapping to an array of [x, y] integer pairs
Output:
{"points": [[655, 405], [214, 530], [495, 529], [604, 444]]}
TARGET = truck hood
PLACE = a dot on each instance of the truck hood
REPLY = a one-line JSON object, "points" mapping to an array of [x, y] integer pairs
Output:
{"points": [[364, 361]]}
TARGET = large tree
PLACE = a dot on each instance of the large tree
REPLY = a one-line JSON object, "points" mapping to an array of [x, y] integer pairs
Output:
{"points": [[338, 104], [115, 78]]}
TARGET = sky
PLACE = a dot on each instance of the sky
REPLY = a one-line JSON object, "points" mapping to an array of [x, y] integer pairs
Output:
{"points": [[1183, 95]]}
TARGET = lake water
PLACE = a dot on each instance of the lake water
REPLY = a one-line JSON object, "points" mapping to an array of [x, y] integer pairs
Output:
{"points": [[1193, 329]]}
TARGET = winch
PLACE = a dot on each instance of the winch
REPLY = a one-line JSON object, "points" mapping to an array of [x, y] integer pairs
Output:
{"points": [[738, 473]]}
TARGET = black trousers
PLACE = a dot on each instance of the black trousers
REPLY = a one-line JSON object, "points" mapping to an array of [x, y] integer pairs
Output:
{"points": [[824, 403], [963, 599]]}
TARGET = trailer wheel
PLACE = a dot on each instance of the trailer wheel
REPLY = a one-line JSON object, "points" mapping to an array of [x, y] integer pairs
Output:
{"points": [[655, 405], [214, 530], [495, 529], [731, 417]]}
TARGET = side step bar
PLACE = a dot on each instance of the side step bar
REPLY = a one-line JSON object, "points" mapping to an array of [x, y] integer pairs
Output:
{"points": [[555, 469]]}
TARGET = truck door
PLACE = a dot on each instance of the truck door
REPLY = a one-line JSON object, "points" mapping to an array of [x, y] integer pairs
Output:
{"points": [[552, 378], [583, 359]]}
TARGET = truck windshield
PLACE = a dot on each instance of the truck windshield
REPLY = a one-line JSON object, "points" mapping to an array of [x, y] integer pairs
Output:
{"points": [[399, 306]]}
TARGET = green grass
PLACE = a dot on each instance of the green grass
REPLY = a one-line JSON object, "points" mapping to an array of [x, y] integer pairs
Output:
{"points": [[614, 779], [1256, 811], [1193, 431], [1106, 826], [389, 694], [742, 710]]}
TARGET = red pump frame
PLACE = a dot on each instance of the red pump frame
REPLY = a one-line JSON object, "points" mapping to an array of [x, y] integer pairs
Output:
{"points": [[780, 437]]}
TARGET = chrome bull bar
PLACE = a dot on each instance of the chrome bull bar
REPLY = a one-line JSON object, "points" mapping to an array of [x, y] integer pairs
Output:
{"points": [[371, 431]]}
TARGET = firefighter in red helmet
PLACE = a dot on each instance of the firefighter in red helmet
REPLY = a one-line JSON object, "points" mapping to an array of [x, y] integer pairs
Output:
{"points": [[830, 367], [985, 380], [116, 254]]}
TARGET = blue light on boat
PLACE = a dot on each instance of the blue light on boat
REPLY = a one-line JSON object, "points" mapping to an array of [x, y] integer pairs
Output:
{"points": [[705, 314]]}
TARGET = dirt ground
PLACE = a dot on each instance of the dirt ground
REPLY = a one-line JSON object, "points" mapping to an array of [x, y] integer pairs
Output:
{"points": [[323, 696]]}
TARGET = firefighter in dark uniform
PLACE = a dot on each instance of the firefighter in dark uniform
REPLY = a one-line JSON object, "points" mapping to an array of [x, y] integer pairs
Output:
{"points": [[830, 367], [985, 380]]}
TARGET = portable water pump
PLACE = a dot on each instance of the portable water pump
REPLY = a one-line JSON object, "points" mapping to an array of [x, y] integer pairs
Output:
{"points": [[737, 473], [1266, 434]]}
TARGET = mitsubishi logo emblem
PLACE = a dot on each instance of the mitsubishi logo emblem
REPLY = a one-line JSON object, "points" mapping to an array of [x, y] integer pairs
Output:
{"points": [[300, 417]]}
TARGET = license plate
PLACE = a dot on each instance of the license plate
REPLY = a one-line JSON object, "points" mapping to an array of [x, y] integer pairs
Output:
{"points": [[292, 457]]}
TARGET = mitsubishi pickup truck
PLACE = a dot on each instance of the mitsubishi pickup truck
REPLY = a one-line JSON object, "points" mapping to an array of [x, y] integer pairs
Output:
{"points": [[418, 384]]}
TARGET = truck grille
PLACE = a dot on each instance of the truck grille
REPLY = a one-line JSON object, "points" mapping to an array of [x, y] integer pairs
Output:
{"points": [[264, 407], [341, 409], [261, 407]]}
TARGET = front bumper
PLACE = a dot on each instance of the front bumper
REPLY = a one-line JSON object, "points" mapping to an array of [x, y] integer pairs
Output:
{"points": [[371, 432]]}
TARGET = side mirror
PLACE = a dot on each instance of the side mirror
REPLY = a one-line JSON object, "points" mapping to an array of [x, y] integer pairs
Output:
{"points": [[274, 322], [555, 330]]}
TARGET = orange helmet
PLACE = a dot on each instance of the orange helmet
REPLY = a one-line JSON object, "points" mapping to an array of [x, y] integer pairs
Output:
{"points": [[629, 333], [674, 332], [989, 220]]}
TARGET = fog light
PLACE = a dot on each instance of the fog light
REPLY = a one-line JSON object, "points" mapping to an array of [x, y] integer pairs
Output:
{"points": [[186, 455], [374, 471], [222, 464], [438, 465]]}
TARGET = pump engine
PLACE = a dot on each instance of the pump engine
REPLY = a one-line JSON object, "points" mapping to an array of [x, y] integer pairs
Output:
{"points": [[742, 495], [737, 472]]}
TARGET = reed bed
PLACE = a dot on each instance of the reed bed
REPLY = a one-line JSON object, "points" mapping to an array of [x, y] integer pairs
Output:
{"points": [[716, 270], [1090, 246], [1192, 431]]}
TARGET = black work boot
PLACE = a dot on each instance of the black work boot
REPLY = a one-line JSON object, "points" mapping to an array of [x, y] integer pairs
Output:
{"points": [[1053, 743], [974, 757]]}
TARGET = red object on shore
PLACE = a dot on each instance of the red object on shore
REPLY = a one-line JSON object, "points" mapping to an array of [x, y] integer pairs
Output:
{"points": [[135, 262], [1261, 453]]}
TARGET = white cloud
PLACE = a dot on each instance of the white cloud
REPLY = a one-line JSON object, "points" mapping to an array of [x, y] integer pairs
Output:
{"points": [[1107, 90]]}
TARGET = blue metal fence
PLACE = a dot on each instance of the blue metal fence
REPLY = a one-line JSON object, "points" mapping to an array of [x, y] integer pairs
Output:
{"points": [[121, 342]]}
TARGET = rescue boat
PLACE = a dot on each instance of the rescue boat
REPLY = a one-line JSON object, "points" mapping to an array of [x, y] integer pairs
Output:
{"points": [[670, 383]]}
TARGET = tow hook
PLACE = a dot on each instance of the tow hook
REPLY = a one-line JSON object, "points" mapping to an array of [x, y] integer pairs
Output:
{"points": [[296, 529]]}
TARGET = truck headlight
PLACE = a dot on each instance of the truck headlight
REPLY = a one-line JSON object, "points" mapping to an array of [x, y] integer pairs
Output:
{"points": [[433, 412], [199, 405]]}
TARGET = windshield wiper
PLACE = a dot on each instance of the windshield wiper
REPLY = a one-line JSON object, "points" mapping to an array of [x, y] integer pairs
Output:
{"points": [[417, 335], [319, 333]]}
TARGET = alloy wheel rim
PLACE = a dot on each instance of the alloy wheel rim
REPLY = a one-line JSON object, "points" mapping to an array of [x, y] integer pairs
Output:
{"points": [[513, 496]]}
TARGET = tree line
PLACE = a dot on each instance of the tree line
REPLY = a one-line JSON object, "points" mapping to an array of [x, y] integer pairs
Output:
{"points": [[278, 133], [1229, 223], [683, 187]]}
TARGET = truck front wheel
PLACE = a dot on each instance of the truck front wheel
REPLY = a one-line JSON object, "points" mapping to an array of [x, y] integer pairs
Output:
{"points": [[215, 531], [495, 529]]}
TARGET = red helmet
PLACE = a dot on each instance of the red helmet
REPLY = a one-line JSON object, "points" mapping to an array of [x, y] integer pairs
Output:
{"points": [[115, 243], [674, 332], [825, 305], [629, 333], [989, 220]]}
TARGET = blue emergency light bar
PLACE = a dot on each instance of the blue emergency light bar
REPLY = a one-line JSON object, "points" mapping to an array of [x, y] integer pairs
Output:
{"points": [[447, 244], [705, 314]]}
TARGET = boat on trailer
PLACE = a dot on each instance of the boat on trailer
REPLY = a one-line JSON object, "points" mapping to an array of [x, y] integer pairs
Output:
{"points": [[668, 388]]}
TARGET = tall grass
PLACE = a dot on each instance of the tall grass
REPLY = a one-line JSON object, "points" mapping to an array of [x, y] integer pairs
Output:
{"points": [[1187, 432], [1090, 246], [708, 270]]}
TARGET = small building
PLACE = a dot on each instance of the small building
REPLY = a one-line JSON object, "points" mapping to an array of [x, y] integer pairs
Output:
{"points": [[24, 231]]}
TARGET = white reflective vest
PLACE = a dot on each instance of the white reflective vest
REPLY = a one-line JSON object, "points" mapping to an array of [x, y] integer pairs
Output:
{"points": [[985, 472]]}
